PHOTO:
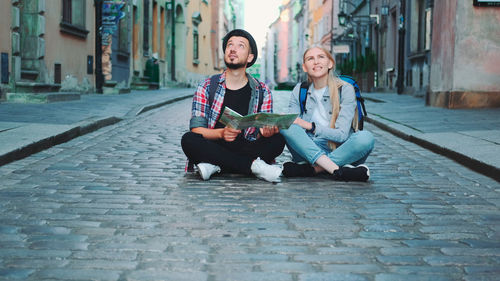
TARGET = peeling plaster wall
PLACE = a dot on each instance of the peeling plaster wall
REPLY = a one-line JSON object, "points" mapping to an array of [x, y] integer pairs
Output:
{"points": [[465, 47], [477, 49], [68, 50], [5, 22], [465, 66], [6, 42], [443, 45]]}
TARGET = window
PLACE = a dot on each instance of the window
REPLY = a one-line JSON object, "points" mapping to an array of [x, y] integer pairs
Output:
{"points": [[73, 18], [155, 27], [428, 28], [74, 12], [163, 44], [66, 17], [196, 18], [421, 25], [135, 34], [195, 47]]}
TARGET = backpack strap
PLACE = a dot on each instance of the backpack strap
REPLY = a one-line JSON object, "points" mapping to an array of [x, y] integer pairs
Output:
{"points": [[357, 91], [360, 101], [261, 98], [214, 82], [261, 93], [304, 86]]}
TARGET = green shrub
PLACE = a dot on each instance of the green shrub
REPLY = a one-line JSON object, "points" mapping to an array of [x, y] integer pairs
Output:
{"points": [[367, 63], [287, 86]]}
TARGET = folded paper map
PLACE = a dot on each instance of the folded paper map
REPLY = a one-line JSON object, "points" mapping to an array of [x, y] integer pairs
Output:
{"points": [[235, 120]]}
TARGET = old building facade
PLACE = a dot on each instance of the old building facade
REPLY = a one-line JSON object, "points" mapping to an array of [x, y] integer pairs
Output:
{"points": [[111, 46], [465, 50], [5, 50], [44, 52], [411, 47], [286, 35]]}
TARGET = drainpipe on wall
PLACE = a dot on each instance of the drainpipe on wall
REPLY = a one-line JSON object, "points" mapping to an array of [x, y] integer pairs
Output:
{"points": [[172, 54], [99, 78], [401, 51]]}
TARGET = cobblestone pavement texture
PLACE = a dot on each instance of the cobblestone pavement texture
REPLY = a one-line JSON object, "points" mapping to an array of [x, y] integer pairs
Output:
{"points": [[29, 128], [115, 204], [469, 136]]}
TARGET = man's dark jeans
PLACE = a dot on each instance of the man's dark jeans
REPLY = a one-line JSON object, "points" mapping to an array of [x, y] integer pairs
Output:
{"points": [[232, 157]]}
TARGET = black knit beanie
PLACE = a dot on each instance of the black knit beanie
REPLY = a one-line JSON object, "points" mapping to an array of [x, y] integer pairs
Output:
{"points": [[245, 34]]}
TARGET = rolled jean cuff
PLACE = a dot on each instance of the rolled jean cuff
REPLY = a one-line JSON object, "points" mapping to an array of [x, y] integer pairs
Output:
{"points": [[301, 145], [316, 157]]}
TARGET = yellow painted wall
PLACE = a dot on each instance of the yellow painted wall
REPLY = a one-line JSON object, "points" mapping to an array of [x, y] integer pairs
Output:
{"points": [[68, 50], [5, 34], [206, 64]]}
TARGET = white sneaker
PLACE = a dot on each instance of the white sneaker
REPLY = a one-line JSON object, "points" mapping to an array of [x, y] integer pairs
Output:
{"points": [[206, 170], [262, 170]]}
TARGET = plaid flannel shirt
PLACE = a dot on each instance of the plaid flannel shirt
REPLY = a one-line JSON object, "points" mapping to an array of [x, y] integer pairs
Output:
{"points": [[204, 116]]}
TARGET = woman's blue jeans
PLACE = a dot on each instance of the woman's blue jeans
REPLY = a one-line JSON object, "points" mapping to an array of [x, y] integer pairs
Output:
{"points": [[353, 151]]}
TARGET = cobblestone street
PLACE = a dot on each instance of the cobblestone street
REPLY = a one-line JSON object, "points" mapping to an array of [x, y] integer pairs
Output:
{"points": [[116, 204]]}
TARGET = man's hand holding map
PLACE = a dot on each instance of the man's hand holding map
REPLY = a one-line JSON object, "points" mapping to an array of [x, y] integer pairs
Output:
{"points": [[234, 120]]}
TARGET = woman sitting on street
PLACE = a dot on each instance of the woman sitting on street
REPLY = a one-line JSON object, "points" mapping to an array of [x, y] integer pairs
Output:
{"points": [[323, 136]]}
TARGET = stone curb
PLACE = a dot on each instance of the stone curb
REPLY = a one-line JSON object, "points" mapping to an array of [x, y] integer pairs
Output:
{"points": [[81, 129], [62, 137], [418, 138], [142, 109]]}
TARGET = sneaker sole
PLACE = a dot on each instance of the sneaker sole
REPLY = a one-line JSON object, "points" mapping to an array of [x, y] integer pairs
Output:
{"points": [[361, 165]]}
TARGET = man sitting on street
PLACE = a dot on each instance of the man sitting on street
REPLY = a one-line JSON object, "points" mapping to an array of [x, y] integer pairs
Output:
{"points": [[214, 147]]}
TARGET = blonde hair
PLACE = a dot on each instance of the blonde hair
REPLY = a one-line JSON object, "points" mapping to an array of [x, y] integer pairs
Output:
{"points": [[333, 83]]}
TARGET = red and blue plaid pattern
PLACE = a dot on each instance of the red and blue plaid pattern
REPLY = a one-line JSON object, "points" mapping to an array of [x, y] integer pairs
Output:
{"points": [[200, 106]]}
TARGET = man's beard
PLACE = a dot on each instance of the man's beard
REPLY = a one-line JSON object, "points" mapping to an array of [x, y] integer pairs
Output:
{"points": [[231, 65]]}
